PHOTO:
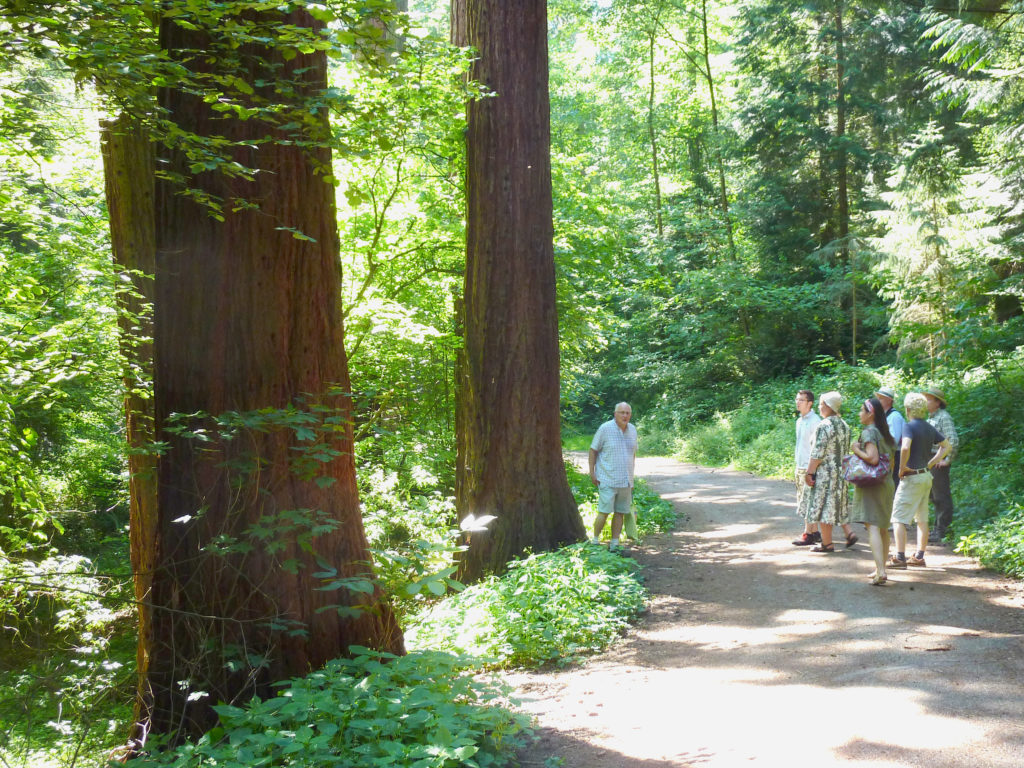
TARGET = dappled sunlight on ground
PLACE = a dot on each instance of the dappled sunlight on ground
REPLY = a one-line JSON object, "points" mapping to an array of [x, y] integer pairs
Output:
{"points": [[729, 531], [756, 652]]}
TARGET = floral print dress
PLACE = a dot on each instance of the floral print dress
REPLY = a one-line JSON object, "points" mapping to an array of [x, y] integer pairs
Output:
{"points": [[829, 501]]}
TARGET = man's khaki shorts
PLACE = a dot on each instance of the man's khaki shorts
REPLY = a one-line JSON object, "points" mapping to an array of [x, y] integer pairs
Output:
{"points": [[617, 500], [911, 502]]}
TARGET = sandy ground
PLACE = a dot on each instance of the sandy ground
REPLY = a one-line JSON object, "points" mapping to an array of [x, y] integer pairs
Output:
{"points": [[757, 652]]}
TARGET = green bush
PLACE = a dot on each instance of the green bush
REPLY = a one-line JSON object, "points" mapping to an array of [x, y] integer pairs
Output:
{"points": [[67, 657], [770, 454], [548, 607], [710, 444], [422, 710], [999, 544]]}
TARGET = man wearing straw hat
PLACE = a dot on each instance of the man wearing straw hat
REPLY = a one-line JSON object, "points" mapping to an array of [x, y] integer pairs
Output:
{"points": [[941, 496]]}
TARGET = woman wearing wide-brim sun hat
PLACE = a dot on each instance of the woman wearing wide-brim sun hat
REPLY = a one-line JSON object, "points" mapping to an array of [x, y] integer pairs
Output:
{"points": [[941, 495], [828, 502]]}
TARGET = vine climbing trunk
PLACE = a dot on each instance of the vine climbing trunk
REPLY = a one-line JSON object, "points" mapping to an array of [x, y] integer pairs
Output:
{"points": [[260, 559], [509, 456]]}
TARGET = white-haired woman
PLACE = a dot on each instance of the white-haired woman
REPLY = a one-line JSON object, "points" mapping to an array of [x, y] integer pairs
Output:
{"points": [[828, 503]]}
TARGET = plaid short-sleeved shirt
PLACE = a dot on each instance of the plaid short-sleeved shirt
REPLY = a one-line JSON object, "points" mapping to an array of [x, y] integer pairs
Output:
{"points": [[616, 451], [943, 422]]}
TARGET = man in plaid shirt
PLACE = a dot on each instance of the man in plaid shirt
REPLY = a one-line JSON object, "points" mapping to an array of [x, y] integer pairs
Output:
{"points": [[611, 460], [941, 495]]}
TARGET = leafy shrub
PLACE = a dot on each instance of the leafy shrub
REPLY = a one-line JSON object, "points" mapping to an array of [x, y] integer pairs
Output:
{"points": [[421, 710], [770, 453], [999, 544], [710, 444], [67, 655], [553, 606]]}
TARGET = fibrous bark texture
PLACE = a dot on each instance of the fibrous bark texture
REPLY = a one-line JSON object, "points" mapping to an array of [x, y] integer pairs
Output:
{"points": [[509, 445], [256, 517], [128, 170]]}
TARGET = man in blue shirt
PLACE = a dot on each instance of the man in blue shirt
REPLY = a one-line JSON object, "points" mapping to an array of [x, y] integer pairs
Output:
{"points": [[895, 421]]}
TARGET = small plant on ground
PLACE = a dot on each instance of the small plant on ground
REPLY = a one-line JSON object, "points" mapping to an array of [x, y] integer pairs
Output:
{"points": [[999, 544]]}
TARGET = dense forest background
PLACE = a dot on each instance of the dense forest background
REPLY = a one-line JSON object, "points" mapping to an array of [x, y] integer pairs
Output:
{"points": [[749, 197]]}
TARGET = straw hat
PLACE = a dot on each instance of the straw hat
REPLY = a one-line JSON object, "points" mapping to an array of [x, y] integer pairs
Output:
{"points": [[937, 394]]}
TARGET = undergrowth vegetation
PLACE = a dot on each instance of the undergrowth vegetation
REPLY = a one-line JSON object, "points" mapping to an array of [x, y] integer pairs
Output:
{"points": [[423, 710], [553, 606], [67, 653]]}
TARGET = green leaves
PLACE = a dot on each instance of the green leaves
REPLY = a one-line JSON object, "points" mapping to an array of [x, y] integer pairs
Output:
{"points": [[555, 606], [422, 710]]}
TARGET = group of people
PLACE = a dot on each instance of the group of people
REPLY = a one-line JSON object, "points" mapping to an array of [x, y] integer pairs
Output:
{"points": [[919, 448]]}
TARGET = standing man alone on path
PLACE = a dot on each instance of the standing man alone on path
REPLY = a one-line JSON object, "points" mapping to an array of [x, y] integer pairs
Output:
{"points": [[611, 460], [941, 495], [806, 423]]}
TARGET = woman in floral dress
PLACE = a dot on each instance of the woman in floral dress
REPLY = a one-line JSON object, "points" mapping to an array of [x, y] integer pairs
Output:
{"points": [[873, 505], [827, 503]]}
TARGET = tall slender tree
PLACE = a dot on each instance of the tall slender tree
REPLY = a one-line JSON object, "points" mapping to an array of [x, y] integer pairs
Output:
{"points": [[509, 461]]}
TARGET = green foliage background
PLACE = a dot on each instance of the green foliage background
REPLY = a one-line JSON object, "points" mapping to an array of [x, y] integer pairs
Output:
{"points": [[702, 275]]}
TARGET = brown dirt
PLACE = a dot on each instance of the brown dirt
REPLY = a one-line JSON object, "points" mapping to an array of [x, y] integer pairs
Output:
{"points": [[757, 652]]}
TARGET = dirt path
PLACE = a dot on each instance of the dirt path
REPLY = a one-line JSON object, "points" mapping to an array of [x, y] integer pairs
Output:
{"points": [[756, 652]]}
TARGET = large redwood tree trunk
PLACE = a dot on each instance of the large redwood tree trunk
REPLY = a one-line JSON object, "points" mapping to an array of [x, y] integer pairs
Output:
{"points": [[508, 424], [247, 317]]}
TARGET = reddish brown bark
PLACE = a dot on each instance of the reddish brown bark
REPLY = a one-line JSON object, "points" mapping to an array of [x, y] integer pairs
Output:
{"points": [[128, 170], [508, 425], [248, 317]]}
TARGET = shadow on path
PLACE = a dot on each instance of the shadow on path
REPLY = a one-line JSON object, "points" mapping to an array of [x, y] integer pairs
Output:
{"points": [[754, 651]]}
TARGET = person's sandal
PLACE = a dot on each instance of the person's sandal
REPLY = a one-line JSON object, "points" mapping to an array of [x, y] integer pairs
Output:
{"points": [[851, 540], [878, 581], [824, 548]]}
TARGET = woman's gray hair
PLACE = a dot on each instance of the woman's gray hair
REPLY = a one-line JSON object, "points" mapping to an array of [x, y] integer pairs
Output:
{"points": [[915, 405]]}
